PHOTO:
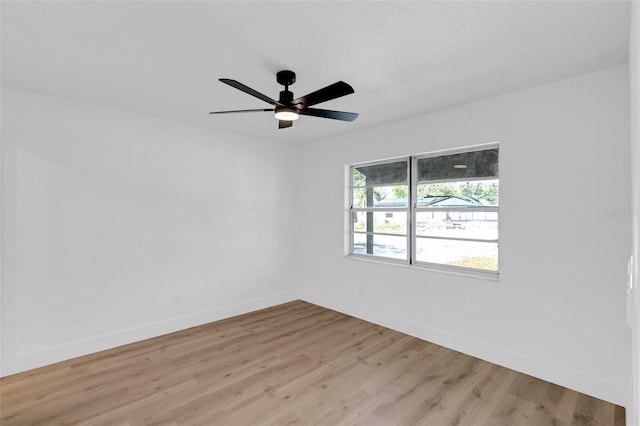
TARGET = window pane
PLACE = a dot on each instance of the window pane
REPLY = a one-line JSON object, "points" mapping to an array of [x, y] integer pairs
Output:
{"points": [[469, 254], [459, 194], [359, 197], [390, 196], [357, 178], [381, 222], [381, 196], [380, 245], [479, 225], [359, 244], [381, 174], [459, 166]]}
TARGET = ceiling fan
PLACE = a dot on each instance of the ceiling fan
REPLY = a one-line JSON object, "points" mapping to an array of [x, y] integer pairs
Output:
{"points": [[288, 109]]}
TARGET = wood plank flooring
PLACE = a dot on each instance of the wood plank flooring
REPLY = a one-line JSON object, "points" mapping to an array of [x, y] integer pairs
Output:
{"points": [[293, 364]]}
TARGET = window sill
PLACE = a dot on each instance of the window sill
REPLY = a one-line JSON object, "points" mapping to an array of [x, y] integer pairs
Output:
{"points": [[486, 276]]}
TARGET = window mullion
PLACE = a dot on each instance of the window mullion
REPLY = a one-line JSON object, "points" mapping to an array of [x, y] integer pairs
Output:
{"points": [[413, 197], [490, 209], [475, 240], [379, 209]]}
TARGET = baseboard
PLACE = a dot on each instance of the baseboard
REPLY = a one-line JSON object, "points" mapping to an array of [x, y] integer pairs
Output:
{"points": [[16, 363], [564, 376]]}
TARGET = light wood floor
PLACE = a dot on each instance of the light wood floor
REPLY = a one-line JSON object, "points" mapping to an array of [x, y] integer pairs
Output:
{"points": [[295, 363]]}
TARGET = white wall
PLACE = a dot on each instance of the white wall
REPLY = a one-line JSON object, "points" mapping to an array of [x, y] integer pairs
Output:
{"points": [[118, 227], [558, 311], [633, 409]]}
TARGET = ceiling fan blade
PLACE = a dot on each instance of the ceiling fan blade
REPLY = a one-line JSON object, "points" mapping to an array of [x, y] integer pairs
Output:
{"points": [[327, 113], [242, 110], [284, 124], [332, 91], [250, 91]]}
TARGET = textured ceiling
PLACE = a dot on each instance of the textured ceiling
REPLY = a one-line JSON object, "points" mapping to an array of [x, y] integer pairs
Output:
{"points": [[402, 58]]}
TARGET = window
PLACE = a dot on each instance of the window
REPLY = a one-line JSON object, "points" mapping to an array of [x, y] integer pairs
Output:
{"points": [[380, 209], [436, 210]]}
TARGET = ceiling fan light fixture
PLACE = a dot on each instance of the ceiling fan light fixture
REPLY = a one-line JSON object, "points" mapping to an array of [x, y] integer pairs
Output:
{"points": [[286, 114]]}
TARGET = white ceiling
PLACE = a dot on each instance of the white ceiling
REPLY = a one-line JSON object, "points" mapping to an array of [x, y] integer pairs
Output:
{"points": [[402, 58]]}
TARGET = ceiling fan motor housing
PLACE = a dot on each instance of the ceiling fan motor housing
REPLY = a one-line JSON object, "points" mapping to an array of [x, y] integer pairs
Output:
{"points": [[286, 97], [286, 78]]}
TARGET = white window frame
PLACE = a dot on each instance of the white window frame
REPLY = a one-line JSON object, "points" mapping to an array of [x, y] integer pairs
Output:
{"points": [[406, 210], [411, 211]]}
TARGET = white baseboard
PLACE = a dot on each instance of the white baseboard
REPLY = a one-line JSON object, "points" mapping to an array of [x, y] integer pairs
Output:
{"points": [[580, 381], [16, 363]]}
